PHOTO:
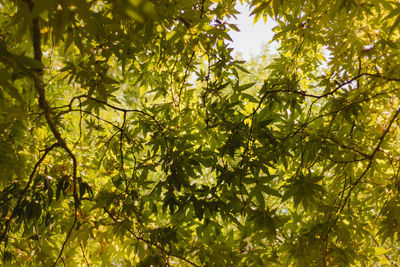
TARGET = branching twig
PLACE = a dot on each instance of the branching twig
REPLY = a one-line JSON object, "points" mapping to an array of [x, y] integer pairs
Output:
{"points": [[150, 243], [39, 86], [371, 157], [31, 176], [352, 186]]}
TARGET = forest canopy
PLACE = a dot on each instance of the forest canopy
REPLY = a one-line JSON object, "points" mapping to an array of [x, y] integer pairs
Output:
{"points": [[131, 136]]}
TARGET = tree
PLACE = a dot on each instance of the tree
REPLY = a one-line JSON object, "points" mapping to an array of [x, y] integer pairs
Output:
{"points": [[131, 136]]}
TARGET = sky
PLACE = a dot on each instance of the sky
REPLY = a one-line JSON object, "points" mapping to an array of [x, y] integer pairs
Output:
{"points": [[252, 37]]}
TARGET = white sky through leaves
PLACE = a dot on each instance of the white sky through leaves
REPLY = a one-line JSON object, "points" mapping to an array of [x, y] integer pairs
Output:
{"points": [[252, 36]]}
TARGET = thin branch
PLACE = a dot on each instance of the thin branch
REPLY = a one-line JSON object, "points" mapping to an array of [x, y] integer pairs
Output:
{"points": [[186, 74], [31, 176], [122, 160], [66, 238], [352, 186], [345, 146], [80, 125], [124, 110], [152, 243], [84, 255], [39, 86]]}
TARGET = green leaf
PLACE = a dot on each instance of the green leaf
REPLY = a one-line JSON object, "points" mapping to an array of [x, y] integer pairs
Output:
{"points": [[269, 190], [198, 208]]}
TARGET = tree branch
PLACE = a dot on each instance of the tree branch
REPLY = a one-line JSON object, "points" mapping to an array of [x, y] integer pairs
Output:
{"points": [[39, 86], [152, 243], [7, 223]]}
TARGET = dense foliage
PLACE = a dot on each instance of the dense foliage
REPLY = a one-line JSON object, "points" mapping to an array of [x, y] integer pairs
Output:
{"points": [[131, 136]]}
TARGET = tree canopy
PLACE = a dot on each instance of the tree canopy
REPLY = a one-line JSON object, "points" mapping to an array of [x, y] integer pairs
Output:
{"points": [[131, 136]]}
